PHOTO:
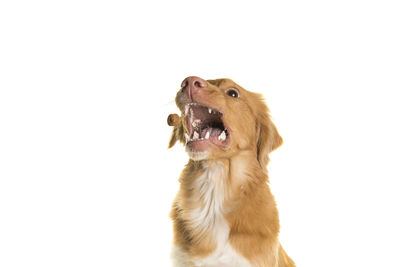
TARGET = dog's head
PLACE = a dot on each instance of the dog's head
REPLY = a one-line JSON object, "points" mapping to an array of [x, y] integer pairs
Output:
{"points": [[219, 119]]}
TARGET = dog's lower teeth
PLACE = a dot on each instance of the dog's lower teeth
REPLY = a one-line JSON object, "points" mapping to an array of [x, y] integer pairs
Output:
{"points": [[195, 135], [222, 136], [207, 134]]}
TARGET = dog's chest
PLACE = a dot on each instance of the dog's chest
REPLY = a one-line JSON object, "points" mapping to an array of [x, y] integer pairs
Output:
{"points": [[208, 218]]}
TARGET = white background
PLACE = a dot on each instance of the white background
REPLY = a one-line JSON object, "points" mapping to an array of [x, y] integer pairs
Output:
{"points": [[86, 87]]}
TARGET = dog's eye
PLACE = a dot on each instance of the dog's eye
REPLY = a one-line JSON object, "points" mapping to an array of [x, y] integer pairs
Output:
{"points": [[233, 93]]}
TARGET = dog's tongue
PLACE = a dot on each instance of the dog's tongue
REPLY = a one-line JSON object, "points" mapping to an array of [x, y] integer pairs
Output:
{"points": [[213, 132]]}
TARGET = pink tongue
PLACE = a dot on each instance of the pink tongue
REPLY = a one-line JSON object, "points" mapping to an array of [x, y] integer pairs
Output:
{"points": [[213, 132]]}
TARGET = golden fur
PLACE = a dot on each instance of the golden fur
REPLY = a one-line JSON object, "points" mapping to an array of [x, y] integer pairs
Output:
{"points": [[248, 207]]}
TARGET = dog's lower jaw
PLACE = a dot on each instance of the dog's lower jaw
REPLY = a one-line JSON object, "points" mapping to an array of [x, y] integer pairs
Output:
{"points": [[197, 155]]}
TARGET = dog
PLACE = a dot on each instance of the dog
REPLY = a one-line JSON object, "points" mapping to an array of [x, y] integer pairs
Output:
{"points": [[224, 213]]}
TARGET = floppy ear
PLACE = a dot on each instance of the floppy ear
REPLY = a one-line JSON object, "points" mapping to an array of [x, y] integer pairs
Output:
{"points": [[177, 133], [268, 138]]}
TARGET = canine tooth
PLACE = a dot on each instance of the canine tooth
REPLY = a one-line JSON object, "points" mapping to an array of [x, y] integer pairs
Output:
{"points": [[209, 110], [195, 123], [186, 109], [207, 134], [195, 135], [222, 136], [187, 136]]}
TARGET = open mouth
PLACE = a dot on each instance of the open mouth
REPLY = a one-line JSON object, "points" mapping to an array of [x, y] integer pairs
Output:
{"points": [[205, 125]]}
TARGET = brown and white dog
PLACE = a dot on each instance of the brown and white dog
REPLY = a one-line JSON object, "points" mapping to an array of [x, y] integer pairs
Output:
{"points": [[224, 213]]}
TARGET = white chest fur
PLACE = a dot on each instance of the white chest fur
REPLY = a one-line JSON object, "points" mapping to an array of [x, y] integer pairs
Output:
{"points": [[210, 191]]}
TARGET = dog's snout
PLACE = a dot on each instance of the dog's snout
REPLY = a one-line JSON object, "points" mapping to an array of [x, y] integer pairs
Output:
{"points": [[191, 85]]}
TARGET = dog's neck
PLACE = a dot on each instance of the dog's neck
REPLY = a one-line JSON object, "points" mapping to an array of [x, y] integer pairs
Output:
{"points": [[237, 166], [233, 175]]}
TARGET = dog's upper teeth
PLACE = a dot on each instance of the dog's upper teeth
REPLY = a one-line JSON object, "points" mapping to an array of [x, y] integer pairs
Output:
{"points": [[187, 137], [207, 134], [209, 110], [195, 135], [195, 123], [186, 109], [222, 136]]}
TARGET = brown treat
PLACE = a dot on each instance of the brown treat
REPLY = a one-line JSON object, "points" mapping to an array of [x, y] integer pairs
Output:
{"points": [[173, 119]]}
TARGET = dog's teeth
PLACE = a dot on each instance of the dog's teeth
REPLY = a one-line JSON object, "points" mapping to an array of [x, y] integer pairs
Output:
{"points": [[207, 134], [195, 123], [187, 137], [222, 136], [186, 109], [195, 135], [209, 110]]}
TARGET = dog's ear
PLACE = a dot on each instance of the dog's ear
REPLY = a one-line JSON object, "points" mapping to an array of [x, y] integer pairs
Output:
{"points": [[177, 132], [268, 138]]}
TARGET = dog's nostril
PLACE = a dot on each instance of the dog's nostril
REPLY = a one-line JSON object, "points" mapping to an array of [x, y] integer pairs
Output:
{"points": [[197, 84], [184, 83]]}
